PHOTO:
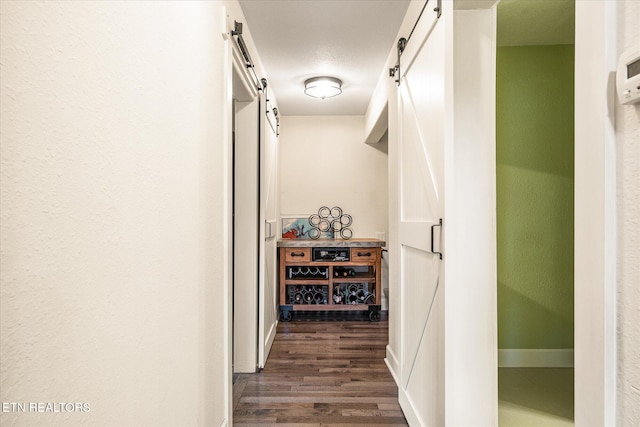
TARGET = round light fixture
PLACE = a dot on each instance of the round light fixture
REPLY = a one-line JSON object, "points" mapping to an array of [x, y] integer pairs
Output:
{"points": [[323, 87]]}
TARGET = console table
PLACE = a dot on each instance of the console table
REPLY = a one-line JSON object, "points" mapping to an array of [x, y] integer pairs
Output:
{"points": [[330, 275]]}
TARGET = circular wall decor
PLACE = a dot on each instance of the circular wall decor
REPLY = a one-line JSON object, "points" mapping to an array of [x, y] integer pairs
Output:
{"points": [[330, 220]]}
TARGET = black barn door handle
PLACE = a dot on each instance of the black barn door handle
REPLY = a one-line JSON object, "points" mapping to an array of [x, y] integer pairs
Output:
{"points": [[439, 224]]}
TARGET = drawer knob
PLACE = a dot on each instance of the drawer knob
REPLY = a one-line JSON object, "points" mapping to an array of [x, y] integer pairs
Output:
{"points": [[294, 254], [364, 253]]}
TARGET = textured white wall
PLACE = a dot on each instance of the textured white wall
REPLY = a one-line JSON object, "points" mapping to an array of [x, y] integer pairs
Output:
{"points": [[323, 161], [111, 188], [628, 217]]}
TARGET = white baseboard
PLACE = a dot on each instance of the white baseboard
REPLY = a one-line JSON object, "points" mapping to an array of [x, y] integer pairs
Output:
{"points": [[271, 336], [394, 366], [535, 358], [406, 404], [408, 408]]}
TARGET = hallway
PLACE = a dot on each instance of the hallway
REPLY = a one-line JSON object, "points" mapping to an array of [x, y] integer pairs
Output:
{"points": [[322, 373]]}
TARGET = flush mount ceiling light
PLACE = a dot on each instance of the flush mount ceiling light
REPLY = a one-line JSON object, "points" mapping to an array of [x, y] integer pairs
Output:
{"points": [[323, 87]]}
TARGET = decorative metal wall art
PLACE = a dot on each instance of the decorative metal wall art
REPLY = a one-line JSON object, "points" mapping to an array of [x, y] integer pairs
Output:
{"points": [[330, 220]]}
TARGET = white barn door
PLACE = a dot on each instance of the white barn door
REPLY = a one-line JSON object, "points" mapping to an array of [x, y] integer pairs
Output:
{"points": [[267, 290], [421, 97]]}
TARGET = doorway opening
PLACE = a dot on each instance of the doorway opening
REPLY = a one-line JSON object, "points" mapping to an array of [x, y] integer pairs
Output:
{"points": [[245, 225], [535, 211]]}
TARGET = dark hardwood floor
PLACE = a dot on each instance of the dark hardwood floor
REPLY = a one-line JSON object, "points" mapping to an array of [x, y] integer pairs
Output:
{"points": [[322, 372]]}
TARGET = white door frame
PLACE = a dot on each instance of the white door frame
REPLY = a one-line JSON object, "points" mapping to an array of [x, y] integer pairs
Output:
{"points": [[595, 234], [471, 326], [595, 214], [246, 226], [232, 71], [595, 224]]}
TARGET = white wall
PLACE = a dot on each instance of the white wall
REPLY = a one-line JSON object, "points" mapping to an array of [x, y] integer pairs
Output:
{"points": [[111, 227], [323, 161], [627, 126]]}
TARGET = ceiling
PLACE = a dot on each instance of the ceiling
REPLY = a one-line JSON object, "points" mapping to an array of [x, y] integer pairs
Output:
{"points": [[351, 39], [300, 39]]}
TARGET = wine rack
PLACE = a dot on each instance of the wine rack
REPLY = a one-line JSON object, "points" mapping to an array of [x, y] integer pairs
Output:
{"points": [[303, 294], [304, 272], [320, 277], [354, 293]]}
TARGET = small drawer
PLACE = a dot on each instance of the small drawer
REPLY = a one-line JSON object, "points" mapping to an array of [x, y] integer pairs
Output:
{"points": [[297, 254], [364, 254]]}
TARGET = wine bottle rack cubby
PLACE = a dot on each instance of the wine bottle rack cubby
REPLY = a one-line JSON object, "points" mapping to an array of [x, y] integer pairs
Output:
{"points": [[303, 294], [304, 272], [354, 293]]}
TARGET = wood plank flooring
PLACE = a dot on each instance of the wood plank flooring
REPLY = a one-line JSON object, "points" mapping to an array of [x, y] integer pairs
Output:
{"points": [[322, 373]]}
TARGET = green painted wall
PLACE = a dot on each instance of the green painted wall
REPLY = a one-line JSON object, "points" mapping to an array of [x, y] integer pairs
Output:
{"points": [[535, 196]]}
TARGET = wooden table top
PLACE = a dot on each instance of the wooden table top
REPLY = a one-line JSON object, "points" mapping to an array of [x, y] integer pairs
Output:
{"points": [[331, 243]]}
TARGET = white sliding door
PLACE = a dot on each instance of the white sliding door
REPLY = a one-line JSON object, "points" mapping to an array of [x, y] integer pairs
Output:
{"points": [[268, 265], [421, 97]]}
